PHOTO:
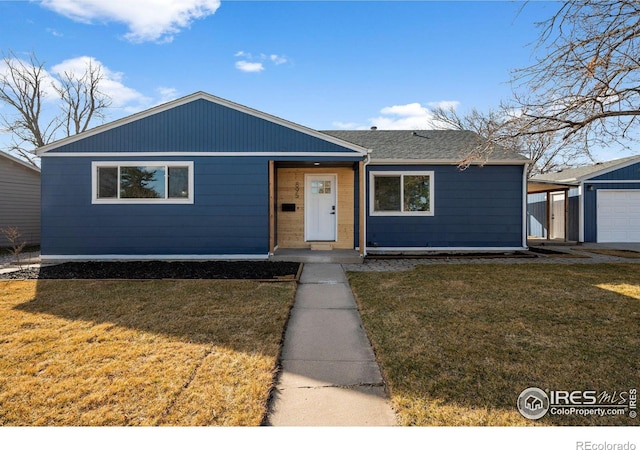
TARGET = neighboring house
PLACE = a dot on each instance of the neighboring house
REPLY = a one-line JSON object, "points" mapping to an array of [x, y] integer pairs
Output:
{"points": [[201, 178], [19, 199], [603, 203]]}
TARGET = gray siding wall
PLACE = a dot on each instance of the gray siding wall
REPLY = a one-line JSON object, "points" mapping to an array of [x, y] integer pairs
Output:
{"points": [[19, 201], [229, 214], [477, 207]]}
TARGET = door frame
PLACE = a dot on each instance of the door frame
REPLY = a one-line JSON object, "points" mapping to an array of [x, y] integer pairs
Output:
{"points": [[558, 199], [307, 193]]}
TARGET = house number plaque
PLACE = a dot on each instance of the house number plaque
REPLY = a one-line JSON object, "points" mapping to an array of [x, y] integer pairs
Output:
{"points": [[297, 189]]}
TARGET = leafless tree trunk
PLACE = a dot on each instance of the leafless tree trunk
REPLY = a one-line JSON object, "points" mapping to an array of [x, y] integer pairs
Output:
{"points": [[25, 86]]}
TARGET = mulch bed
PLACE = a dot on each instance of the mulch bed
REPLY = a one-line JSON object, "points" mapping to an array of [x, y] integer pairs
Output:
{"points": [[134, 270]]}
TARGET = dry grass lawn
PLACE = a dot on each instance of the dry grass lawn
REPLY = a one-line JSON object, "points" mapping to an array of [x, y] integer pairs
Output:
{"points": [[198, 352], [458, 343]]}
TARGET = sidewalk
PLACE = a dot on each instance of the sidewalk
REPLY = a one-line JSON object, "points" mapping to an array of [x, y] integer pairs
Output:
{"points": [[329, 374]]}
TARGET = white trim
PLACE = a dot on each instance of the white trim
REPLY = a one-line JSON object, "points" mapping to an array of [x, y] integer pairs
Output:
{"points": [[386, 173], [211, 98], [442, 249], [598, 200], [363, 185], [307, 192], [448, 162], [21, 162], [524, 205], [610, 181], [581, 200], [318, 155], [153, 257], [595, 174], [141, 201]]}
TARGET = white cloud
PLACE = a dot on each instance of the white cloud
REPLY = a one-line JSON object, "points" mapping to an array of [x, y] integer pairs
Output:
{"points": [[445, 104], [147, 20], [47, 81], [257, 63], [112, 83], [410, 116], [278, 59], [348, 125], [246, 66], [166, 94]]}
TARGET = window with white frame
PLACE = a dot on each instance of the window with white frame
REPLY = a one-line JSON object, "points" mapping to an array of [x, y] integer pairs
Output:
{"points": [[401, 193], [142, 182]]}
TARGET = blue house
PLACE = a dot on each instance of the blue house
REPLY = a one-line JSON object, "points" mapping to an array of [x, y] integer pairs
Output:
{"points": [[204, 178], [602, 203]]}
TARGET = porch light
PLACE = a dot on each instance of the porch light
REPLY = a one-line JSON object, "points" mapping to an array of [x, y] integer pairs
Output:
{"points": [[316, 163]]}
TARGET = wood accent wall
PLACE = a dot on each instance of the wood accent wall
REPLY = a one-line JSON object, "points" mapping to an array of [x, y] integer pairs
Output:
{"points": [[291, 224]]}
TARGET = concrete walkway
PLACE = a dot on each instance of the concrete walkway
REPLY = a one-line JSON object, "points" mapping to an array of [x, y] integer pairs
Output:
{"points": [[329, 374]]}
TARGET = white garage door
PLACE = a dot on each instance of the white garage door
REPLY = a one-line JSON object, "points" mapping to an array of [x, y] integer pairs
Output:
{"points": [[618, 216]]}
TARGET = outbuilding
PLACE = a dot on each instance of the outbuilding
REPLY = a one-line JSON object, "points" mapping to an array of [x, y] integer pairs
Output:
{"points": [[602, 203]]}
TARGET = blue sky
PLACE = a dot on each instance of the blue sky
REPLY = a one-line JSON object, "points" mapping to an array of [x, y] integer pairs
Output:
{"points": [[335, 62], [326, 65]]}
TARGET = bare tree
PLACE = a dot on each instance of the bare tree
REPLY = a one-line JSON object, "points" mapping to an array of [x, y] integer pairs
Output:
{"points": [[82, 99], [585, 85], [501, 129], [26, 87], [23, 87]]}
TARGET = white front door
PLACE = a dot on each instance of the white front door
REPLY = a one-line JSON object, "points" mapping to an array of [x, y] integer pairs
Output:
{"points": [[557, 215], [320, 207]]}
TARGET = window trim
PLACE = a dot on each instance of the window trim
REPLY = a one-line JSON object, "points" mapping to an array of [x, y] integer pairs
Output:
{"points": [[401, 174], [141, 201]]}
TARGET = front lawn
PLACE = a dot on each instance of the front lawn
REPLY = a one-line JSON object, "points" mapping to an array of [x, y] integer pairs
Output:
{"points": [[459, 343], [197, 352]]}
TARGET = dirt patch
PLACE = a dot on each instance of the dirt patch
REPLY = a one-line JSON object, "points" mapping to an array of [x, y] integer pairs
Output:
{"points": [[134, 270]]}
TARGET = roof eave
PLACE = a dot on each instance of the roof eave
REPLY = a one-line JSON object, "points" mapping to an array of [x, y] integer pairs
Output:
{"points": [[448, 161], [21, 162]]}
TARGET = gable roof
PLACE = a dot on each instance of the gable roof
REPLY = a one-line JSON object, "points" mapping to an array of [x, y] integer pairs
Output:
{"points": [[447, 146], [586, 172], [19, 161], [111, 126]]}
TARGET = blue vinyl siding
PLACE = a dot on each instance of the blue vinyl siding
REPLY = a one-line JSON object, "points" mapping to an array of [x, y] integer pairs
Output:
{"points": [[229, 215], [477, 207], [201, 126], [590, 206], [631, 172]]}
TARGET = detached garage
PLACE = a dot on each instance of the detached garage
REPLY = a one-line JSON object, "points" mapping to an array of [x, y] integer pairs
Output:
{"points": [[608, 200]]}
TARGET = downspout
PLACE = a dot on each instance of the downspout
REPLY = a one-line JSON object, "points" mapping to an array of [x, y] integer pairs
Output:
{"points": [[524, 204], [581, 212], [367, 160]]}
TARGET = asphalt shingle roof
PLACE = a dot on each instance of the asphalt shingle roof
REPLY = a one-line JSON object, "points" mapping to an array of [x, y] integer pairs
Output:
{"points": [[435, 145], [584, 172]]}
